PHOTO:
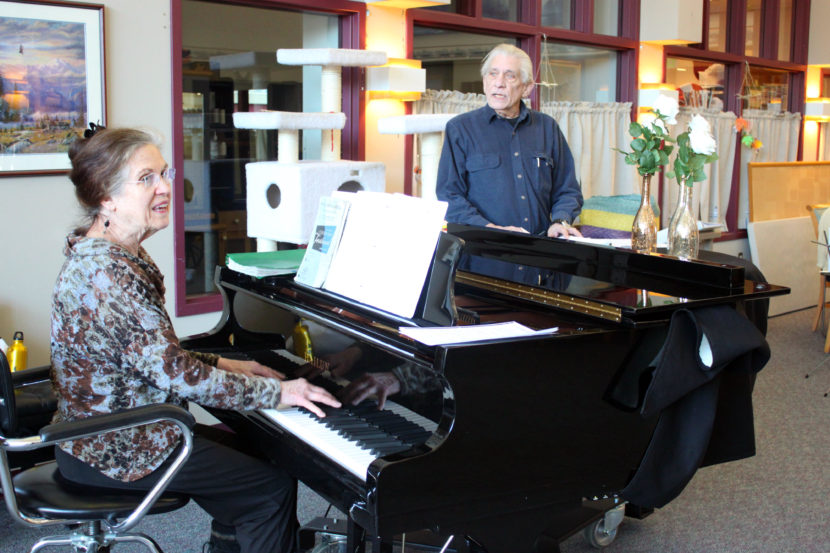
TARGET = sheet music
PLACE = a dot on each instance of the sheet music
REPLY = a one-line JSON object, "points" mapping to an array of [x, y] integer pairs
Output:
{"points": [[385, 250], [323, 243], [433, 336]]}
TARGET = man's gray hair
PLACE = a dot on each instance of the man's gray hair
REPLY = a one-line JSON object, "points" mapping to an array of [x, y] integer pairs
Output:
{"points": [[504, 49]]}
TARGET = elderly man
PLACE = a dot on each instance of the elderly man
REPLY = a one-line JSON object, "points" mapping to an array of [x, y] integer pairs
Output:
{"points": [[504, 165]]}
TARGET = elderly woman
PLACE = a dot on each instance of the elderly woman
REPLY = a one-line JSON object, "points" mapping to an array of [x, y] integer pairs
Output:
{"points": [[114, 348]]}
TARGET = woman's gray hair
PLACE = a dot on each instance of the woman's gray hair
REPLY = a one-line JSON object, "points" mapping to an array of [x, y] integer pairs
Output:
{"points": [[100, 165], [504, 49]]}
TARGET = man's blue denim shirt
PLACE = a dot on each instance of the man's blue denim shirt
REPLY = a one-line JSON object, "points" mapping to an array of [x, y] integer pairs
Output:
{"points": [[517, 172]]}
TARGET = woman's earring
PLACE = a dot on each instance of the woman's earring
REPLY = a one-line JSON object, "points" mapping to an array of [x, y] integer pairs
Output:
{"points": [[106, 225]]}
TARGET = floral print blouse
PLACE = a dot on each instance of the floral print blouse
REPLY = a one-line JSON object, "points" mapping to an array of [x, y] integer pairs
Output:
{"points": [[114, 348]]}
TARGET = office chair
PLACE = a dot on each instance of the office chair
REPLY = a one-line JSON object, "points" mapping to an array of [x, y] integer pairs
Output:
{"points": [[98, 518], [35, 404]]}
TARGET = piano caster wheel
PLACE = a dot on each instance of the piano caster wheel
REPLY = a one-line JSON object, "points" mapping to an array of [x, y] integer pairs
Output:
{"points": [[330, 543], [602, 532]]}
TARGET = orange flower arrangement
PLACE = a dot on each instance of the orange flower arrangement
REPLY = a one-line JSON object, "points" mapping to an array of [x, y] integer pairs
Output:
{"points": [[743, 126]]}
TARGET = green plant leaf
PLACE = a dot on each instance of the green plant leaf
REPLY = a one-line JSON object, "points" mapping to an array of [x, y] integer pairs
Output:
{"points": [[638, 144]]}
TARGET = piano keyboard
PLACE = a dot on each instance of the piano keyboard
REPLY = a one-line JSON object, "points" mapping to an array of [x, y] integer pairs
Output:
{"points": [[353, 436]]}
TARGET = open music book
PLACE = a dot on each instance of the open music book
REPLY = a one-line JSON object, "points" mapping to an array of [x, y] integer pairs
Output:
{"points": [[373, 247]]}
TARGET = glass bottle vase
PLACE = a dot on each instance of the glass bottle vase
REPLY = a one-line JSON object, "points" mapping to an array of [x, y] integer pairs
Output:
{"points": [[644, 228], [683, 236]]}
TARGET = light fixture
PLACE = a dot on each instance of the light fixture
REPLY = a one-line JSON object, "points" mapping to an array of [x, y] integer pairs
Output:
{"points": [[398, 79], [817, 109], [649, 92], [407, 4], [664, 22]]}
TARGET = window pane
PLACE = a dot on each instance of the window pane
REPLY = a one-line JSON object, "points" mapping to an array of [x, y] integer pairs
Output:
{"points": [[717, 25], [700, 83], [556, 13], [765, 89], [228, 65], [577, 73], [753, 28], [607, 17], [453, 59], [785, 29], [503, 10]]}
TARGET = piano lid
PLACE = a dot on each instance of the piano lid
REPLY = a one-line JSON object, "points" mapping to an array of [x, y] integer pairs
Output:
{"points": [[620, 266], [614, 284]]}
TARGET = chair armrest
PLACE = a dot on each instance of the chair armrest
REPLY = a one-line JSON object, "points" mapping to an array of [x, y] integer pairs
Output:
{"points": [[99, 424], [31, 376], [95, 425]]}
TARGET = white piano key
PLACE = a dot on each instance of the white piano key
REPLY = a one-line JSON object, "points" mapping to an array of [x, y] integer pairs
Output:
{"points": [[310, 430]]}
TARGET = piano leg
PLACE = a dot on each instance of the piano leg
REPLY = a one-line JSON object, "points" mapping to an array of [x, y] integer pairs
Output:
{"points": [[355, 538], [381, 545]]}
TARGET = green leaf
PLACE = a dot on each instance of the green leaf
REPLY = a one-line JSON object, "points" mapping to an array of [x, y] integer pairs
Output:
{"points": [[638, 144], [635, 129]]}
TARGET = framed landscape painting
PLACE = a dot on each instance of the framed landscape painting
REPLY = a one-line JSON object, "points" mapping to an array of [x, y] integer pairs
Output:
{"points": [[51, 82]]}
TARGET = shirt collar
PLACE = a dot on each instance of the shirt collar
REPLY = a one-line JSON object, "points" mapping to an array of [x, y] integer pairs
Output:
{"points": [[524, 113]]}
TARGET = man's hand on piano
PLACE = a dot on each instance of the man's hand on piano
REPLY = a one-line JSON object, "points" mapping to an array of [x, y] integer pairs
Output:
{"points": [[563, 230], [380, 384], [248, 368], [301, 393]]}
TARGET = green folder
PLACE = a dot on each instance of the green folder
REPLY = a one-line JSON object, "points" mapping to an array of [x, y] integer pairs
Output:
{"points": [[261, 264]]}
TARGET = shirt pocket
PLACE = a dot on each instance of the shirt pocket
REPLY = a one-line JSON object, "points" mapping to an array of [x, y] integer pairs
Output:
{"points": [[481, 162], [541, 165]]}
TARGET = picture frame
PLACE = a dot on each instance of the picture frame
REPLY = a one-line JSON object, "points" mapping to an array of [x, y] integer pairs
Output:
{"points": [[52, 82]]}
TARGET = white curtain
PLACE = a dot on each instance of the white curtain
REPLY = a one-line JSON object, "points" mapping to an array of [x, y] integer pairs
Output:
{"points": [[448, 101], [779, 134], [710, 198], [591, 129]]}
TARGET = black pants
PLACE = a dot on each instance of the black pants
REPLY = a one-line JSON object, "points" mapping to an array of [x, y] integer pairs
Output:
{"points": [[254, 496]]}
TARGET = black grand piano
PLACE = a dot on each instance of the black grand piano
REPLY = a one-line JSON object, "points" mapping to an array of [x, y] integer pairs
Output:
{"points": [[509, 445]]}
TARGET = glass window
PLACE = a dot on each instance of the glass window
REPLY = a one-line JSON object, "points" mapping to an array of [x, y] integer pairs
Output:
{"points": [[229, 65], [785, 30], [699, 83], [765, 89], [717, 25], [503, 10], [607, 17], [577, 73], [453, 59], [556, 13], [753, 28]]}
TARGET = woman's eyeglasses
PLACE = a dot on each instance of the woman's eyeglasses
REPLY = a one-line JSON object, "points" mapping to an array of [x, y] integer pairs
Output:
{"points": [[152, 180]]}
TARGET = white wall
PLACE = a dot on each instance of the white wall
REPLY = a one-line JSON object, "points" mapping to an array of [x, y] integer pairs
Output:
{"points": [[36, 213]]}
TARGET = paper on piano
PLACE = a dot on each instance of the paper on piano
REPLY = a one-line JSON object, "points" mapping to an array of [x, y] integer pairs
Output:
{"points": [[385, 250], [613, 242], [324, 240], [437, 335]]}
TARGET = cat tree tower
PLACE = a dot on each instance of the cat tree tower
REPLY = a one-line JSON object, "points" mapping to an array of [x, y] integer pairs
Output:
{"points": [[430, 128], [283, 195]]}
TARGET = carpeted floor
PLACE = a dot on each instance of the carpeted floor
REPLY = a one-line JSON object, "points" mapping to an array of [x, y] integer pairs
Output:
{"points": [[775, 502]]}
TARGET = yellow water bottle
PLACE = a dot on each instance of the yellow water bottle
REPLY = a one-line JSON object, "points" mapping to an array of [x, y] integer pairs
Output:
{"points": [[17, 353], [302, 341]]}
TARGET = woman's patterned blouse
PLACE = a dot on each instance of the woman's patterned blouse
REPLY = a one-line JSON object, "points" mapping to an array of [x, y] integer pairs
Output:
{"points": [[114, 348]]}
